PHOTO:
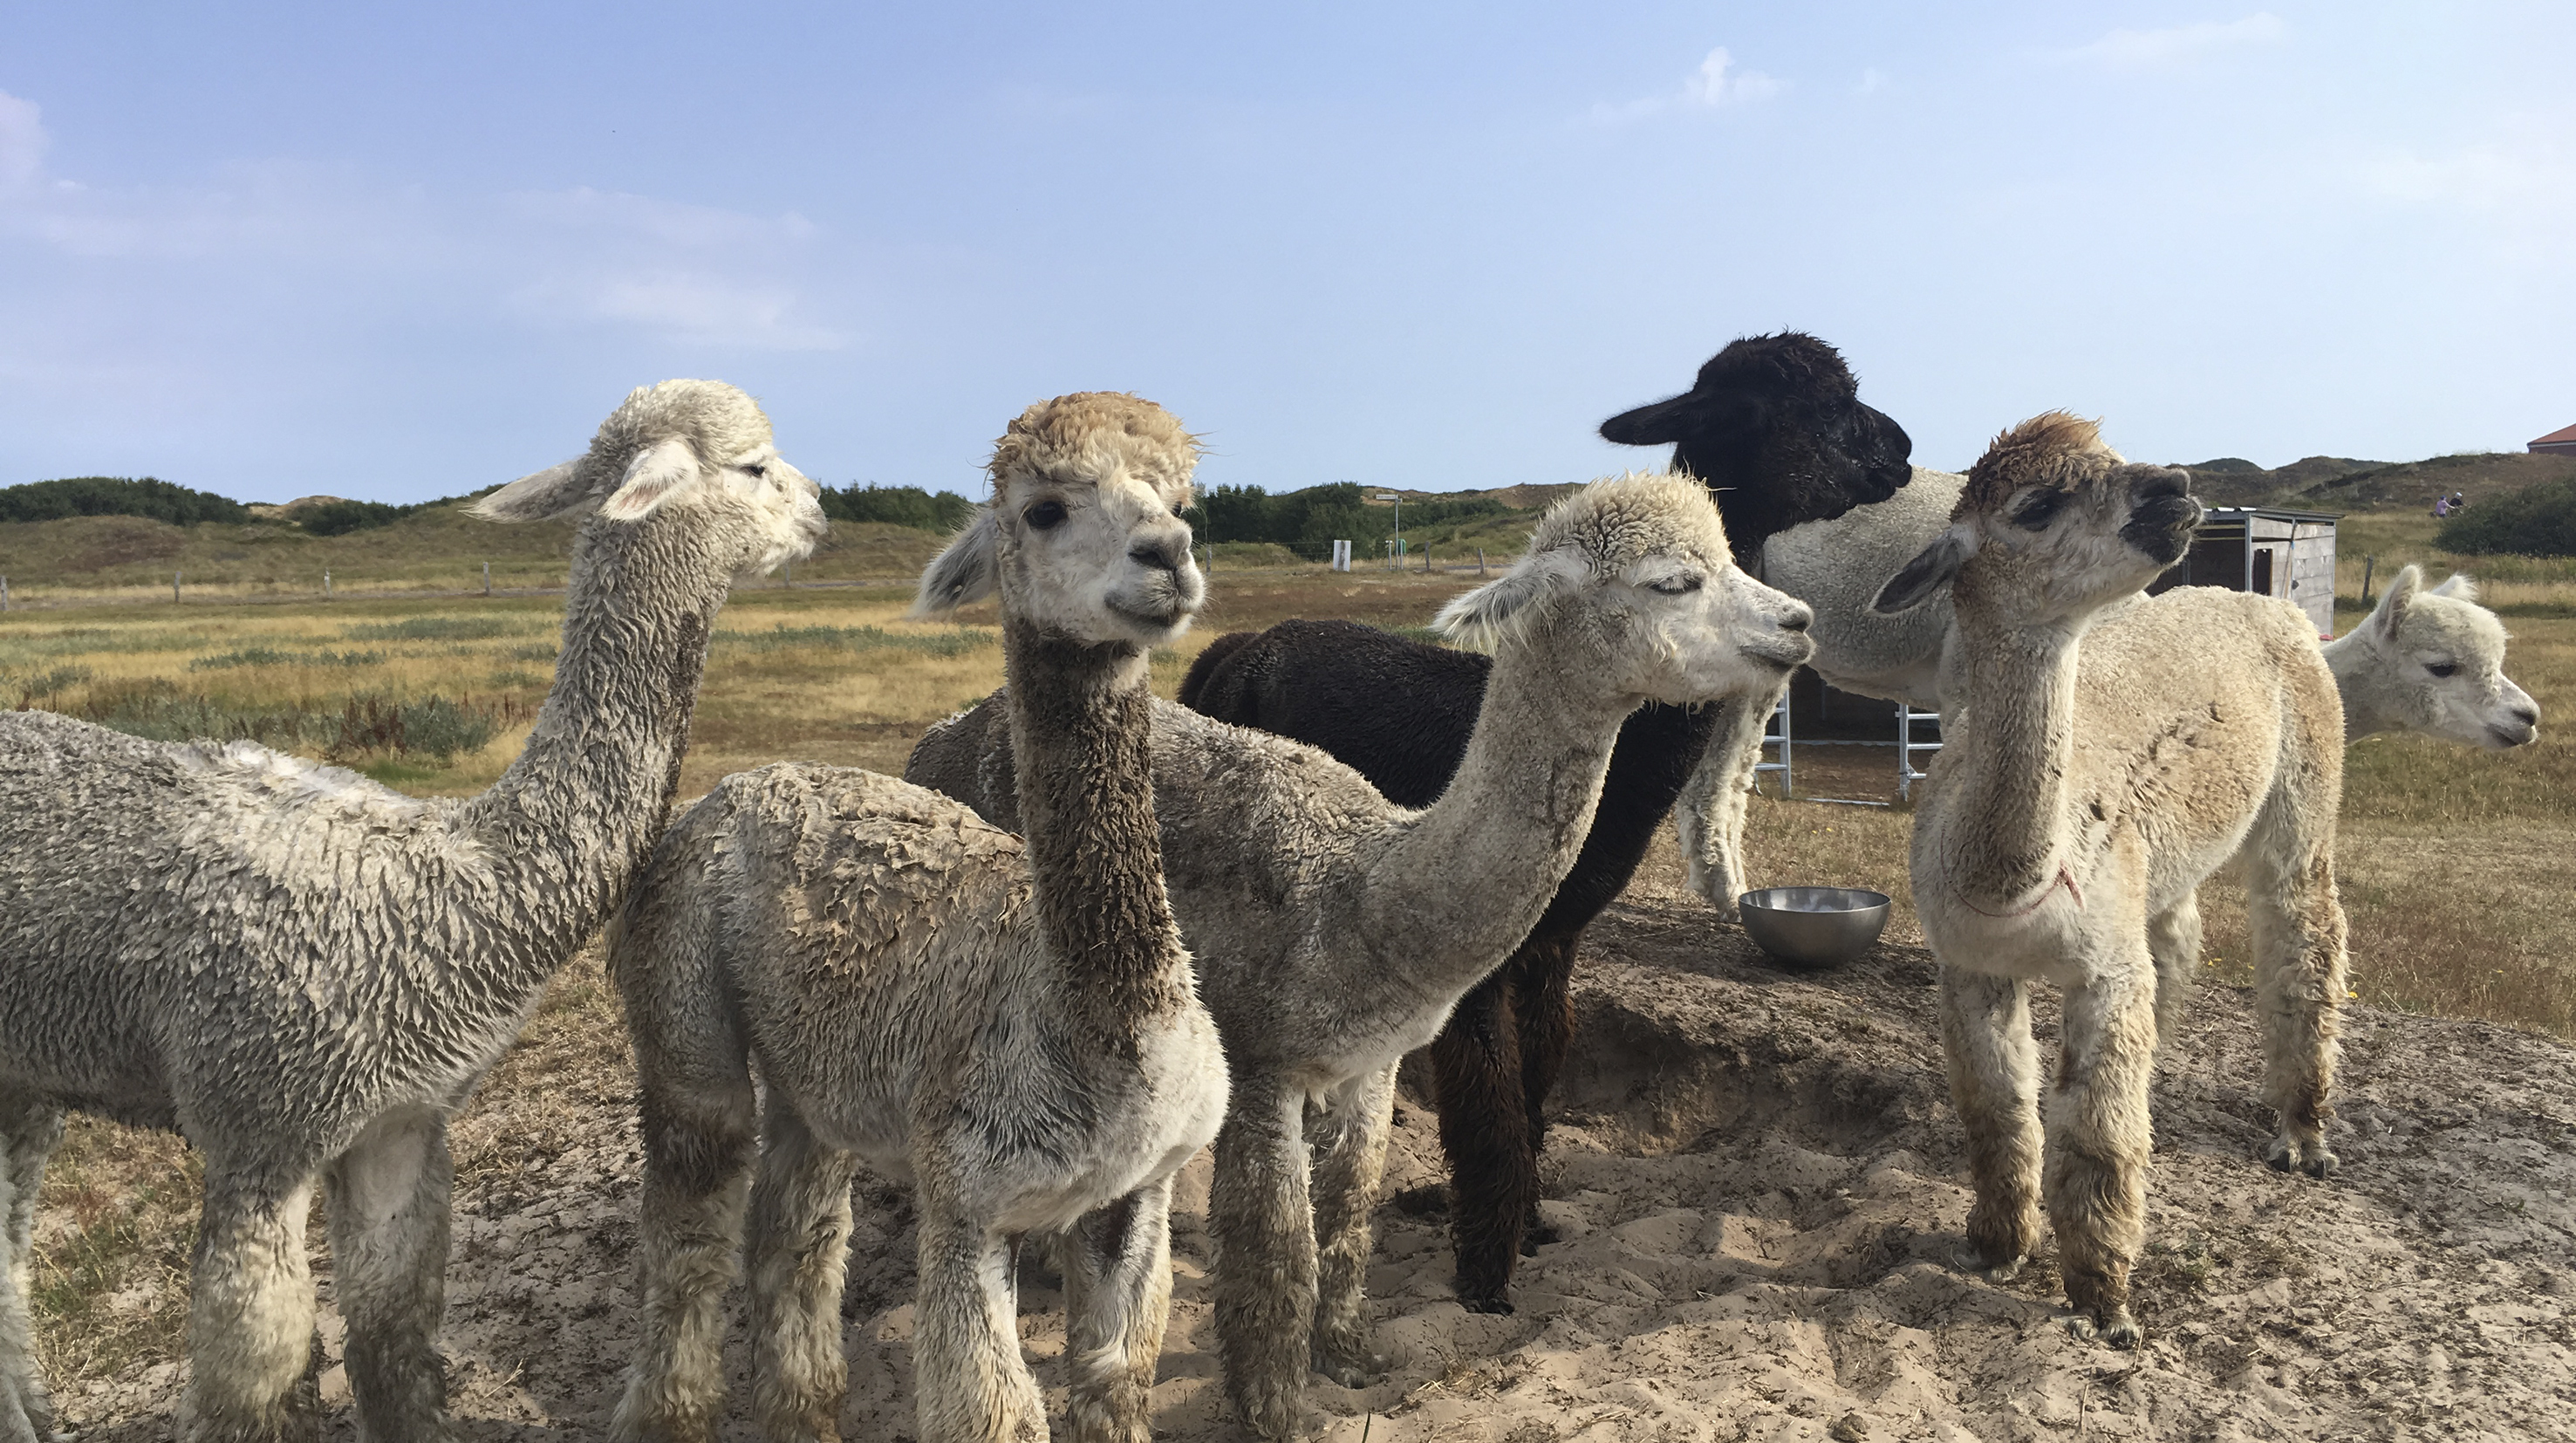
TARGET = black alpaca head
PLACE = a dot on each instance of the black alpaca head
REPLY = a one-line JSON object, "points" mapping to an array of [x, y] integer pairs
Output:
{"points": [[1776, 428]]}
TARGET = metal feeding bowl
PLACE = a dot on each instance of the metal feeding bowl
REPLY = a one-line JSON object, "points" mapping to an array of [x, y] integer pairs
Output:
{"points": [[1814, 926]]}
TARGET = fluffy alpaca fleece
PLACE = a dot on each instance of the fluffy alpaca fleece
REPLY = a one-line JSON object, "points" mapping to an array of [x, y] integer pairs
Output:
{"points": [[1015, 1030], [2429, 660], [306, 973], [1334, 930], [2037, 857]]}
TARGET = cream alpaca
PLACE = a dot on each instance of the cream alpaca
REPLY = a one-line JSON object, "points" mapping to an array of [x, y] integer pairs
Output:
{"points": [[1334, 931], [2429, 661], [307, 973], [2037, 857], [1017, 1032]]}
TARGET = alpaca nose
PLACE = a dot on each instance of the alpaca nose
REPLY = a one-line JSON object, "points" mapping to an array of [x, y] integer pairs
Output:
{"points": [[2527, 715], [1160, 553], [1798, 617], [2164, 483]]}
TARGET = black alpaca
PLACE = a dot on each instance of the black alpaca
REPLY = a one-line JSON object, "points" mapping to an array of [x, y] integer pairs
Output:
{"points": [[1776, 428]]}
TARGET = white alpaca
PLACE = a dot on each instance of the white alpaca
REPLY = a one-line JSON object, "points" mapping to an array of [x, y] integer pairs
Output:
{"points": [[1334, 931], [2094, 775], [1018, 1033], [2427, 660], [307, 973]]}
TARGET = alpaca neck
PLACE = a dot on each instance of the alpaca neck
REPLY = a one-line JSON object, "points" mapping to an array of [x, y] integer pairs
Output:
{"points": [[572, 819], [2005, 764], [1472, 874], [2353, 663], [1082, 744]]}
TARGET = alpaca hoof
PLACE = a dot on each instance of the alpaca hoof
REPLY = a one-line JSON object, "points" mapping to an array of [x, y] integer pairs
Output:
{"points": [[1352, 1364], [1430, 1200], [1492, 1304], [1537, 1236], [2287, 1156], [1970, 1260], [2119, 1330]]}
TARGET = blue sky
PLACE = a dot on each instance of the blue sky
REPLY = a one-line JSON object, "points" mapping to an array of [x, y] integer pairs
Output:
{"points": [[398, 252]]}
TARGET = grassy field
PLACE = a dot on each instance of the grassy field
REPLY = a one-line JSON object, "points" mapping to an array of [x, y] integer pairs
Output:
{"points": [[2451, 859]]}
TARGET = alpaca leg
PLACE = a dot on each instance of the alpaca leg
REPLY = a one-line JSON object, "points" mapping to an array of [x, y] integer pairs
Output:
{"points": [[1709, 822], [970, 1384], [388, 1199], [29, 1130], [1985, 1036], [2099, 1138], [1264, 1231], [698, 1145], [250, 1313], [1117, 1296], [1477, 1073], [1543, 1005], [798, 1253], [1349, 1161], [2297, 928], [2173, 939]]}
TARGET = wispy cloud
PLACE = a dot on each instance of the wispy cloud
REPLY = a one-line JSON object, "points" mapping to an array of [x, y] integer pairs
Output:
{"points": [[22, 141], [558, 260], [2180, 44], [1717, 84]]}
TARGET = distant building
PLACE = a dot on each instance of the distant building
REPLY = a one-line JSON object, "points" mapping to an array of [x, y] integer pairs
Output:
{"points": [[2267, 550], [2561, 442]]}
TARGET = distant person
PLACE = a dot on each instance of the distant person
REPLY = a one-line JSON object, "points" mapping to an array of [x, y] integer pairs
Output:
{"points": [[2459, 502], [2441, 506]]}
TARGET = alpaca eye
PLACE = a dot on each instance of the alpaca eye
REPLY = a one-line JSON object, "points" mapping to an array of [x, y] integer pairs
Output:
{"points": [[1045, 516], [2442, 668], [2040, 510], [757, 471], [1677, 586]]}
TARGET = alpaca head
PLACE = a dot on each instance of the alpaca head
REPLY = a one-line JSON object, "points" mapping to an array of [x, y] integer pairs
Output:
{"points": [[1775, 426], [2440, 666], [1637, 571], [2051, 527], [1082, 536], [696, 454]]}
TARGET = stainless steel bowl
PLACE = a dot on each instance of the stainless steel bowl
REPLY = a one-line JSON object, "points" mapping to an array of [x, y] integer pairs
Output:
{"points": [[1814, 926]]}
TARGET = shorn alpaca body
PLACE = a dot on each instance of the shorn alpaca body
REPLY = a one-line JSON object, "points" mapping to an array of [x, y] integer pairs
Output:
{"points": [[306, 973], [1334, 930], [1775, 427], [2094, 774], [1014, 1029], [2429, 660]]}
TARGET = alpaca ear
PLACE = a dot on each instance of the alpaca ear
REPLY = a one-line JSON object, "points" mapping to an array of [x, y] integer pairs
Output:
{"points": [[1935, 567], [966, 572], [2393, 603], [537, 496], [1486, 615], [655, 475], [2459, 586]]}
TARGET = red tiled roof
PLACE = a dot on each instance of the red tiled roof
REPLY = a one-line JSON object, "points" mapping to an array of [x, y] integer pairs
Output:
{"points": [[2561, 435]]}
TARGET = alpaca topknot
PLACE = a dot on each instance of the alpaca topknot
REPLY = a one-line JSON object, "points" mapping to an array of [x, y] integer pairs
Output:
{"points": [[2055, 448], [1089, 430], [1618, 519], [718, 421]]}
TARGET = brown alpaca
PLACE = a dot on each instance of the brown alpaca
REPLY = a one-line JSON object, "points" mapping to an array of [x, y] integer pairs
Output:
{"points": [[2093, 777]]}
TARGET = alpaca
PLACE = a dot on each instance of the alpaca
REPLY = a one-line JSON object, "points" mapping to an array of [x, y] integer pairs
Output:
{"points": [[1334, 930], [2035, 857], [1015, 1028], [1775, 428], [306, 973], [2431, 660], [2428, 660]]}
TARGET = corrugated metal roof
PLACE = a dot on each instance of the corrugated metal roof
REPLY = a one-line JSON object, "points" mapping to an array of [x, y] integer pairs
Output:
{"points": [[2560, 436]]}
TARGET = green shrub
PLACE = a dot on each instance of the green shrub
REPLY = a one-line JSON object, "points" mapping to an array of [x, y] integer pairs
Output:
{"points": [[2539, 520], [116, 496], [271, 656], [432, 628], [898, 506], [339, 518]]}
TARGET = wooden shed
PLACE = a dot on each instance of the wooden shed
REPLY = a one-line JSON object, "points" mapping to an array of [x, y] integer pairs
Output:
{"points": [[2267, 550]]}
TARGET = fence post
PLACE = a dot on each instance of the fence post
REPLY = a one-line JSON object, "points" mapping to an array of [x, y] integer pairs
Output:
{"points": [[1480, 561], [326, 583], [2368, 563], [4, 593], [487, 578], [174, 586], [790, 583]]}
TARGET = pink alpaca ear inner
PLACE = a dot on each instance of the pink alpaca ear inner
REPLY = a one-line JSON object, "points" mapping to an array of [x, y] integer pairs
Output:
{"points": [[654, 476]]}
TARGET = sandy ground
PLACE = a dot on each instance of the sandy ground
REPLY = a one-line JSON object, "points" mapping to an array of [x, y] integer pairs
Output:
{"points": [[1759, 1185]]}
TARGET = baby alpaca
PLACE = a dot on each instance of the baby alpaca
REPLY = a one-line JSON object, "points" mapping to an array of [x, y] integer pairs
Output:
{"points": [[307, 973], [2038, 858], [1014, 1029]]}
